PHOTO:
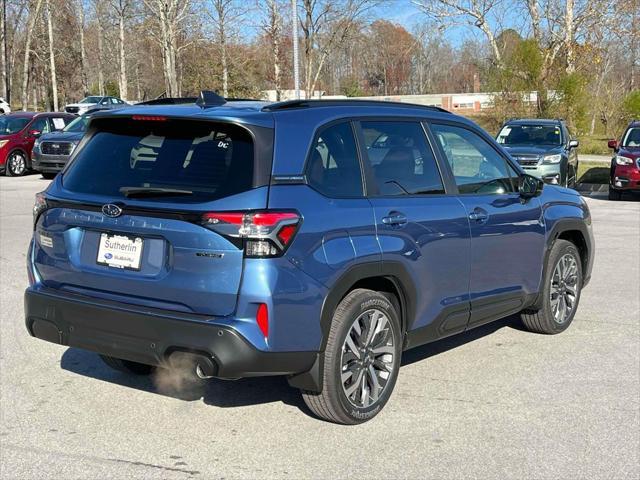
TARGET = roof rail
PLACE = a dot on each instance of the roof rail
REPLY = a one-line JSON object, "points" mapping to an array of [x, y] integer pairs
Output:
{"points": [[208, 99], [290, 104]]}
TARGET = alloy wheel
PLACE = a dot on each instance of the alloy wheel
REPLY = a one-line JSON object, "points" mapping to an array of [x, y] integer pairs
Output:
{"points": [[368, 358], [564, 288], [17, 164]]}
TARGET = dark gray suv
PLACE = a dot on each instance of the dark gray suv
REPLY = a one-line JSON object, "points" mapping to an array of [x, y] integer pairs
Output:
{"points": [[543, 148]]}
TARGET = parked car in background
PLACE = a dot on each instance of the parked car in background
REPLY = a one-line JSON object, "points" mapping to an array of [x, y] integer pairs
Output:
{"points": [[625, 164], [91, 102], [18, 133], [543, 148], [52, 151], [4, 106], [312, 239]]}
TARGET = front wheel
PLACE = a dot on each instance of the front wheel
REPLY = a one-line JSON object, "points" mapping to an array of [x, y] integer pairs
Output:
{"points": [[560, 291], [48, 175], [361, 359], [16, 164], [614, 194]]}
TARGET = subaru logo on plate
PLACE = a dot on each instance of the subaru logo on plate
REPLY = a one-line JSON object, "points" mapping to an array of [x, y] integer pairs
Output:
{"points": [[111, 210]]}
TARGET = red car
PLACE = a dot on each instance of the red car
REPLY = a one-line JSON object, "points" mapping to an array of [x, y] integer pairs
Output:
{"points": [[625, 165], [19, 131]]}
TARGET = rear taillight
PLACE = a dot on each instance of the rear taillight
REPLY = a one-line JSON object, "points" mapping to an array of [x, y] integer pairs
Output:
{"points": [[39, 206], [263, 234]]}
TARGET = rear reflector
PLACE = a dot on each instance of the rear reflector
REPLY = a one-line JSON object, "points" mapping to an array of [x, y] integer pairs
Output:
{"points": [[262, 319]]}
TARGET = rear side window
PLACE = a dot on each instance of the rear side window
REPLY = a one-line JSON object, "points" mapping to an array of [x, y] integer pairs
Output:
{"points": [[209, 160], [333, 167], [401, 159]]}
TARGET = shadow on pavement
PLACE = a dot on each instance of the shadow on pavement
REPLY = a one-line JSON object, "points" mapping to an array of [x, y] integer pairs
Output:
{"points": [[248, 391]]}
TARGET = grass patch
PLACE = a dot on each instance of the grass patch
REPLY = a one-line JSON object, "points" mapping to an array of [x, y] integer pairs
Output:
{"points": [[594, 172], [593, 145]]}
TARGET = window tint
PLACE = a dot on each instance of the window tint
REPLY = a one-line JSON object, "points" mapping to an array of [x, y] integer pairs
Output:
{"points": [[40, 124], [210, 160], [401, 158], [333, 167], [476, 166]]}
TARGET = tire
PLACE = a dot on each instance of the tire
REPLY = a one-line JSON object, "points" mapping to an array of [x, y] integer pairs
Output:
{"points": [[614, 194], [48, 175], [16, 165], [353, 401], [562, 277], [127, 366]]}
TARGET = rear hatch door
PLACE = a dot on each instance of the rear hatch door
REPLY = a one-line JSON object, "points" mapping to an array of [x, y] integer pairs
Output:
{"points": [[125, 219]]}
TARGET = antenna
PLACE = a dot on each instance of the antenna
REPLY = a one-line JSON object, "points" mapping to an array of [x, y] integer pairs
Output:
{"points": [[208, 99]]}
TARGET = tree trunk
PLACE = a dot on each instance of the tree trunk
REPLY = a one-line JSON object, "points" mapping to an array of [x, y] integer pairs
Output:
{"points": [[33, 15], [52, 58], [123, 63], [100, 49], [3, 49], [83, 51], [568, 37]]}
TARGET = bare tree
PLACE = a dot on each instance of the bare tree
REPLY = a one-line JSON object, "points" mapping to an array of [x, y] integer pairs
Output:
{"points": [[226, 15], [272, 27], [326, 26], [98, 7], [474, 13], [170, 16], [83, 50], [52, 57], [121, 8], [3, 49], [34, 10]]}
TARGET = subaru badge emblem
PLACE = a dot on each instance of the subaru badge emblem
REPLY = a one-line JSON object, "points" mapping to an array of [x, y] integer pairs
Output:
{"points": [[111, 210]]}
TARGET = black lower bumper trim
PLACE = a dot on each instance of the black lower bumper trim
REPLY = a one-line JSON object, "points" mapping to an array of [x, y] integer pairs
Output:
{"points": [[150, 336]]}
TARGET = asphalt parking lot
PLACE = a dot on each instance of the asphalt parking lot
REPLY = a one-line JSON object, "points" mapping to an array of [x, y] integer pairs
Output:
{"points": [[497, 402]]}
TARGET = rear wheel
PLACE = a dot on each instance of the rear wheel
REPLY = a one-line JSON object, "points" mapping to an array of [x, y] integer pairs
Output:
{"points": [[560, 292], [127, 366], [614, 194], [16, 165], [361, 359]]}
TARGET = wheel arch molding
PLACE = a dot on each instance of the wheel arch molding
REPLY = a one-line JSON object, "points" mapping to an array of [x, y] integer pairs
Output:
{"points": [[386, 275]]}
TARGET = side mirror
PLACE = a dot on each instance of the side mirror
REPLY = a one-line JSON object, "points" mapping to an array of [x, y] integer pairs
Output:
{"points": [[574, 143], [530, 186], [613, 144], [35, 133]]}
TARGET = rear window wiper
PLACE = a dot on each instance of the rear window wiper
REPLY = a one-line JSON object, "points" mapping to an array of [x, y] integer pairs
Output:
{"points": [[152, 191]]}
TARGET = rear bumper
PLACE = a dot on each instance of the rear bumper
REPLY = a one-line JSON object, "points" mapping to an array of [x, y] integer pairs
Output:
{"points": [[150, 336]]}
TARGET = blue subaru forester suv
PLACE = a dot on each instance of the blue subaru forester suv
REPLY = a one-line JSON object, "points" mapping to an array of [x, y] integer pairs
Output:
{"points": [[312, 239]]}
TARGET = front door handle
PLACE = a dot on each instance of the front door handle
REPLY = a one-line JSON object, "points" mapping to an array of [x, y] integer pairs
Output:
{"points": [[395, 219], [479, 215]]}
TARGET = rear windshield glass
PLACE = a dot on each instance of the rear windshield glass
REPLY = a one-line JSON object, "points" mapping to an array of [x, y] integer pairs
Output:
{"points": [[208, 160]]}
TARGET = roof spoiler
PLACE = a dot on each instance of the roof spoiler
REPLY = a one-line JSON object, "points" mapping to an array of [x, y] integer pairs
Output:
{"points": [[208, 99]]}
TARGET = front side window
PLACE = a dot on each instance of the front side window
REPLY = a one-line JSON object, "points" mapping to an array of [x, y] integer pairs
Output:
{"points": [[333, 167], [40, 125], [476, 166], [204, 161], [401, 159], [533, 135]]}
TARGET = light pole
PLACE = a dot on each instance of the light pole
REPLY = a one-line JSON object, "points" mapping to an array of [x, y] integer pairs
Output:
{"points": [[294, 27]]}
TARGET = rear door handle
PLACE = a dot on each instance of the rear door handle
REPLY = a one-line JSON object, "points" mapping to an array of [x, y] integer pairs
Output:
{"points": [[395, 219], [479, 215]]}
